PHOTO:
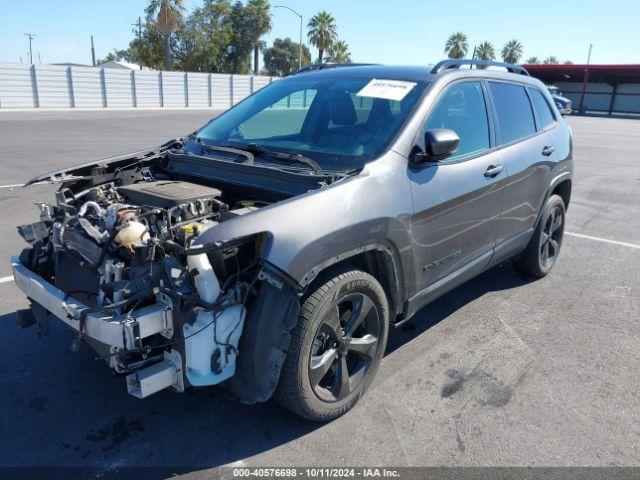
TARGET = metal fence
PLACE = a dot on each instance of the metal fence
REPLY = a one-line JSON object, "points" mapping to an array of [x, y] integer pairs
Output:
{"points": [[602, 97], [52, 86]]}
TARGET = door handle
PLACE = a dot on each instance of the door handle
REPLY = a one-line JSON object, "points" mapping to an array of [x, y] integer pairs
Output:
{"points": [[493, 170], [546, 151]]}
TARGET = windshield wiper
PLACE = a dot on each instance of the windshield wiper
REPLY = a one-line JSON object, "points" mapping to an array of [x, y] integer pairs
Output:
{"points": [[294, 157]]}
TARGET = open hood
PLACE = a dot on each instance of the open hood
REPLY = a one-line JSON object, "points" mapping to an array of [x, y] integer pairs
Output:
{"points": [[86, 170]]}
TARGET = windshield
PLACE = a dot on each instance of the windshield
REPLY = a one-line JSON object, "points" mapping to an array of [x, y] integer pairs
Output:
{"points": [[326, 118]]}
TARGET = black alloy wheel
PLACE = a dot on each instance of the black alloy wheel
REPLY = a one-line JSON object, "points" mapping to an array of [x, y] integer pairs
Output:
{"points": [[344, 347], [543, 249], [336, 347], [551, 237]]}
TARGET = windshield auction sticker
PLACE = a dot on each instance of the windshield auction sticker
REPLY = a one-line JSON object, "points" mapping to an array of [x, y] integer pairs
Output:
{"points": [[387, 89]]}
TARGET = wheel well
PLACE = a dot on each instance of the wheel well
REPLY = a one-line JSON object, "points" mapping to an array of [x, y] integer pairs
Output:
{"points": [[377, 263], [564, 190]]}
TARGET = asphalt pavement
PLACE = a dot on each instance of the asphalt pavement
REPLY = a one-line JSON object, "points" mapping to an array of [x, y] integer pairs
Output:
{"points": [[502, 371]]}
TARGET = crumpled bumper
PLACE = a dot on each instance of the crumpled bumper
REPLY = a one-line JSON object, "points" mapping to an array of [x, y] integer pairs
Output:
{"points": [[118, 332]]}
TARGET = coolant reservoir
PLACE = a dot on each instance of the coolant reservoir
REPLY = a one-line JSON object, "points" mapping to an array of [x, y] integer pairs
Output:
{"points": [[133, 232], [206, 281]]}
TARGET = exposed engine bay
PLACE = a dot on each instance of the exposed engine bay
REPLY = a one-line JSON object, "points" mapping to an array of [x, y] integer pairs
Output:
{"points": [[124, 260]]}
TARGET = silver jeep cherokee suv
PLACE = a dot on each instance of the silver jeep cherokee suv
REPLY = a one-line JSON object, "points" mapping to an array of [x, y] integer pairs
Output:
{"points": [[273, 249]]}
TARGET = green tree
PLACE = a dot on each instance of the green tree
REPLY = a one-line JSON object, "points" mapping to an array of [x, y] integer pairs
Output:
{"points": [[243, 40], [551, 59], [485, 51], [115, 55], [456, 46], [281, 59], [202, 41], [322, 32], [568, 62], [512, 51], [339, 52], [260, 15], [169, 15], [532, 61]]}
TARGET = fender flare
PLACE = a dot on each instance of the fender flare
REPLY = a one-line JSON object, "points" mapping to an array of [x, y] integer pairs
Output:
{"points": [[554, 183], [390, 254]]}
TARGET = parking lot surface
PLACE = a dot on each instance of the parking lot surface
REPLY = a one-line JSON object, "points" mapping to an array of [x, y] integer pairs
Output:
{"points": [[502, 371]]}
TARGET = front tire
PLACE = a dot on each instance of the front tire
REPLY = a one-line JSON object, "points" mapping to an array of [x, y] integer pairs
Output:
{"points": [[336, 347], [543, 249]]}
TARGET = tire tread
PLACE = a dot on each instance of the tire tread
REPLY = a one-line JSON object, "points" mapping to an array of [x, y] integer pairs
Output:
{"points": [[290, 392]]}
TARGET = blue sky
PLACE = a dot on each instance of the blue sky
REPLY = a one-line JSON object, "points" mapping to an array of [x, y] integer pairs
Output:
{"points": [[383, 31]]}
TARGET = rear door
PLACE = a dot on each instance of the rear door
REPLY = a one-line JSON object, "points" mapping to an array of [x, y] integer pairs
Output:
{"points": [[528, 152], [456, 201]]}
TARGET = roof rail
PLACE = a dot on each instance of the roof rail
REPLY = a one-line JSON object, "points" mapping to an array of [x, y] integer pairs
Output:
{"points": [[325, 66], [449, 64]]}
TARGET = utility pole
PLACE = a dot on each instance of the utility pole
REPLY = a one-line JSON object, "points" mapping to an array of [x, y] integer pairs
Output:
{"points": [[31, 37], [93, 53], [583, 109], [39, 59], [299, 15], [139, 25]]}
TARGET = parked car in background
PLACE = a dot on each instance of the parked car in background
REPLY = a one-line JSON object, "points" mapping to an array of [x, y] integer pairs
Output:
{"points": [[564, 105], [272, 250]]}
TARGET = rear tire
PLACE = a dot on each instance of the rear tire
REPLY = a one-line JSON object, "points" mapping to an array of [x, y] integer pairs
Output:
{"points": [[542, 251], [336, 347]]}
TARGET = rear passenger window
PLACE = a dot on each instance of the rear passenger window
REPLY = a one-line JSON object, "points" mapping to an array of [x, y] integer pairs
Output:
{"points": [[515, 117], [462, 109], [542, 108]]}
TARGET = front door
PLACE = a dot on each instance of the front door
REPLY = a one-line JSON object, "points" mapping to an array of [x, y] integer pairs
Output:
{"points": [[457, 200]]}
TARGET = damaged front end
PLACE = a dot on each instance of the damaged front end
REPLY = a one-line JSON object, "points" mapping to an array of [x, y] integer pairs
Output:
{"points": [[118, 258]]}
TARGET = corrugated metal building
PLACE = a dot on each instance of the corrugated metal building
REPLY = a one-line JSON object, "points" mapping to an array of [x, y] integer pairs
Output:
{"points": [[608, 89]]}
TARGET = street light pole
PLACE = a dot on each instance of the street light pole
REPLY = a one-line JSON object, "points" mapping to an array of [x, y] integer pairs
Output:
{"points": [[31, 37], [299, 15]]}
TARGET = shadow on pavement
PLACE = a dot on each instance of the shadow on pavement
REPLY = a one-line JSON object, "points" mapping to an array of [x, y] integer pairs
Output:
{"points": [[501, 277], [61, 408]]}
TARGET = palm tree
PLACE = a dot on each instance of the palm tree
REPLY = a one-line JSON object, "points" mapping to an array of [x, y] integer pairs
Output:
{"points": [[259, 48], [456, 46], [532, 61], [169, 14], [322, 32], [260, 13], [485, 51], [512, 51], [339, 52], [551, 59]]}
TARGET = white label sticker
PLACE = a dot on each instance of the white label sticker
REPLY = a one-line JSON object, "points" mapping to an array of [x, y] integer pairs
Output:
{"points": [[387, 89]]}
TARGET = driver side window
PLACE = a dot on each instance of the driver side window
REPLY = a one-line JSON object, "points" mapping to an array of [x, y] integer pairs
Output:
{"points": [[283, 118], [462, 109]]}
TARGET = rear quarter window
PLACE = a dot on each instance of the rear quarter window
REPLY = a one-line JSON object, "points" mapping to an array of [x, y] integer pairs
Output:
{"points": [[513, 108], [545, 114]]}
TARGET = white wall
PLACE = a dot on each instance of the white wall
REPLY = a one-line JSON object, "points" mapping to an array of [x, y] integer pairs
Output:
{"points": [[51, 86]]}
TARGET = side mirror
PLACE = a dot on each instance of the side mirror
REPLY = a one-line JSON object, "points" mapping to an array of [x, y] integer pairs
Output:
{"points": [[439, 143]]}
